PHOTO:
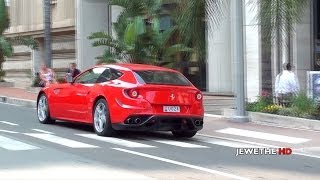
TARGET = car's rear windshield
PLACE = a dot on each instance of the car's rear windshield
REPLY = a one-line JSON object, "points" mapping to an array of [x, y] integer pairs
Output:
{"points": [[161, 77]]}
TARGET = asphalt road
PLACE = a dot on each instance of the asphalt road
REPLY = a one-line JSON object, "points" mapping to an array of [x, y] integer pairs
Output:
{"points": [[30, 150]]}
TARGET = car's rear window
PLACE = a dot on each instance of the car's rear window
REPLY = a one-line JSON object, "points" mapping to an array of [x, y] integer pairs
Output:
{"points": [[161, 77]]}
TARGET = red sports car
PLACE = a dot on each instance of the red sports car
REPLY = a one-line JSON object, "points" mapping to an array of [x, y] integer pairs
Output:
{"points": [[125, 97]]}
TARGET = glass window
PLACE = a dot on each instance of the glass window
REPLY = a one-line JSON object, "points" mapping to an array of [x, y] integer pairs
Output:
{"points": [[7, 3], [108, 75], [162, 77], [165, 22], [91, 76]]}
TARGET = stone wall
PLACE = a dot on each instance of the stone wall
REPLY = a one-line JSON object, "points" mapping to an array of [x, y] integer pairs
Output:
{"points": [[21, 67]]}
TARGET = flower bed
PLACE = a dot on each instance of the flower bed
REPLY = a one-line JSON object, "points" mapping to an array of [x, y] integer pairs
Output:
{"points": [[300, 106]]}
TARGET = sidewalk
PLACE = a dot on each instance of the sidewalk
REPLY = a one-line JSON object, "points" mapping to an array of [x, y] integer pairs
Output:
{"points": [[17, 93], [18, 96]]}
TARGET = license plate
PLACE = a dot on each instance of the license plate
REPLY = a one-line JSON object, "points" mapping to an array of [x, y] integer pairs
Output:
{"points": [[171, 108]]}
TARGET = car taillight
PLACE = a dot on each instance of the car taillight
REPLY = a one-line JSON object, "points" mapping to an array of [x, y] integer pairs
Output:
{"points": [[133, 93], [198, 96]]}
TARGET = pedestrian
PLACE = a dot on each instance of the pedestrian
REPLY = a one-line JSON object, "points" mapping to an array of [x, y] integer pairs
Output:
{"points": [[72, 71], [47, 76], [286, 85]]}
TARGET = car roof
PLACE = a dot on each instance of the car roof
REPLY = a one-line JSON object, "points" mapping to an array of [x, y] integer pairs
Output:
{"points": [[137, 67]]}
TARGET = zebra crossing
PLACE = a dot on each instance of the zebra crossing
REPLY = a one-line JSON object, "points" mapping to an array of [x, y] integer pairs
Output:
{"points": [[198, 142], [60, 140], [263, 135], [14, 145]]}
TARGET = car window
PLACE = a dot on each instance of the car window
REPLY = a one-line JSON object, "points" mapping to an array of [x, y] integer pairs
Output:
{"points": [[161, 77], [108, 75], [91, 76]]}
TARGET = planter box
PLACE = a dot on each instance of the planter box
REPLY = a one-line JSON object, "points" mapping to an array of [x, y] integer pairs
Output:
{"points": [[6, 84], [277, 120]]}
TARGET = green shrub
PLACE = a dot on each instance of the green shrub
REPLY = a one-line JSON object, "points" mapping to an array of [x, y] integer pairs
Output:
{"points": [[256, 106], [303, 105], [273, 109], [36, 81], [61, 80], [288, 112], [263, 101]]}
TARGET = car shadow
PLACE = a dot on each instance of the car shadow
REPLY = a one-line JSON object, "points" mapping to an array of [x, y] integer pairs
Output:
{"points": [[86, 128]]}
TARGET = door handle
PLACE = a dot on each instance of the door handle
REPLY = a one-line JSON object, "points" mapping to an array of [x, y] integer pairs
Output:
{"points": [[83, 93]]}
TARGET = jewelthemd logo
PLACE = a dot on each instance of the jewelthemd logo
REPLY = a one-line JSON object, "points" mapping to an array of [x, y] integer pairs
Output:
{"points": [[263, 151]]}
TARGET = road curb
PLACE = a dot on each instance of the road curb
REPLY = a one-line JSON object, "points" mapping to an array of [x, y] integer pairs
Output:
{"points": [[17, 101], [277, 120]]}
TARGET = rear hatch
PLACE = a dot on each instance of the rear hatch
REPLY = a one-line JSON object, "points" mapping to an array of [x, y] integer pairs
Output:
{"points": [[167, 91]]}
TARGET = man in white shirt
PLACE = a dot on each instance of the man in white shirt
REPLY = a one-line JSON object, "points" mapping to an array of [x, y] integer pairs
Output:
{"points": [[286, 85]]}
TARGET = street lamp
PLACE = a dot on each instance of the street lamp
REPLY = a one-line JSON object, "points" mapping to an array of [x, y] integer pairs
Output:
{"points": [[240, 115]]}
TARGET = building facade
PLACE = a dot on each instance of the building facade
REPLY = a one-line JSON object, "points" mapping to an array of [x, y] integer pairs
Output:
{"points": [[26, 19], [74, 20], [261, 65], [71, 25]]}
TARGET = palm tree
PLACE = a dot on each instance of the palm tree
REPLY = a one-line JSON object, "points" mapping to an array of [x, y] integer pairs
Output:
{"points": [[138, 35], [191, 18], [279, 17], [47, 31], [276, 19], [6, 43]]}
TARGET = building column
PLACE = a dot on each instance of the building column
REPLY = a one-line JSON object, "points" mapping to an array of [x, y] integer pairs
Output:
{"points": [[91, 16], [37, 58], [219, 55], [252, 51], [302, 48]]}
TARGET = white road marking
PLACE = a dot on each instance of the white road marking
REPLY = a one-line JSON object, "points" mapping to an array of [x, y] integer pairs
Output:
{"points": [[17, 105], [232, 144], [71, 171], [307, 155], [116, 141], [7, 131], [262, 135], [9, 123], [60, 140], [238, 140], [285, 127], [182, 164], [259, 144], [14, 145], [213, 115], [177, 143], [42, 131]]}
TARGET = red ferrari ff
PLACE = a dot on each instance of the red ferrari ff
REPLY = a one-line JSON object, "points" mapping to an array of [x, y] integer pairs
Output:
{"points": [[125, 97]]}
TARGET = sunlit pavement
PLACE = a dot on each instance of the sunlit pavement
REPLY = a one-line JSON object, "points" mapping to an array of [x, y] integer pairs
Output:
{"points": [[29, 150]]}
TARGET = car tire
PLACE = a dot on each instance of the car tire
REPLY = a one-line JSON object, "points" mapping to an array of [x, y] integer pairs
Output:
{"points": [[101, 119], [43, 112], [184, 134]]}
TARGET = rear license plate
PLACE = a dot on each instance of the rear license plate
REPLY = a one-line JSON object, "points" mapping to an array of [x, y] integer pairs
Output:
{"points": [[171, 108]]}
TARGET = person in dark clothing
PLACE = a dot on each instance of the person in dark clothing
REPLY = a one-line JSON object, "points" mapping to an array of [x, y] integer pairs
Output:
{"points": [[183, 65], [73, 71]]}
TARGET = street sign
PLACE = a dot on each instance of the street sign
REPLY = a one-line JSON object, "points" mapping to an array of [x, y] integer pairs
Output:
{"points": [[314, 85]]}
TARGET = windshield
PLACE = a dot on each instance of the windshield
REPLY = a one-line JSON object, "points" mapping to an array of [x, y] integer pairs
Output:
{"points": [[161, 77]]}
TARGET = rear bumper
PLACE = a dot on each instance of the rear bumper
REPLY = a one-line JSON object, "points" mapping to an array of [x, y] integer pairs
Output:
{"points": [[160, 123]]}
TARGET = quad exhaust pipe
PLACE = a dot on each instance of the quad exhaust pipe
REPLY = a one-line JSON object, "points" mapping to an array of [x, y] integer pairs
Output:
{"points": [[134, 121], [137, 121], [130, 121], [197, 122]]}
